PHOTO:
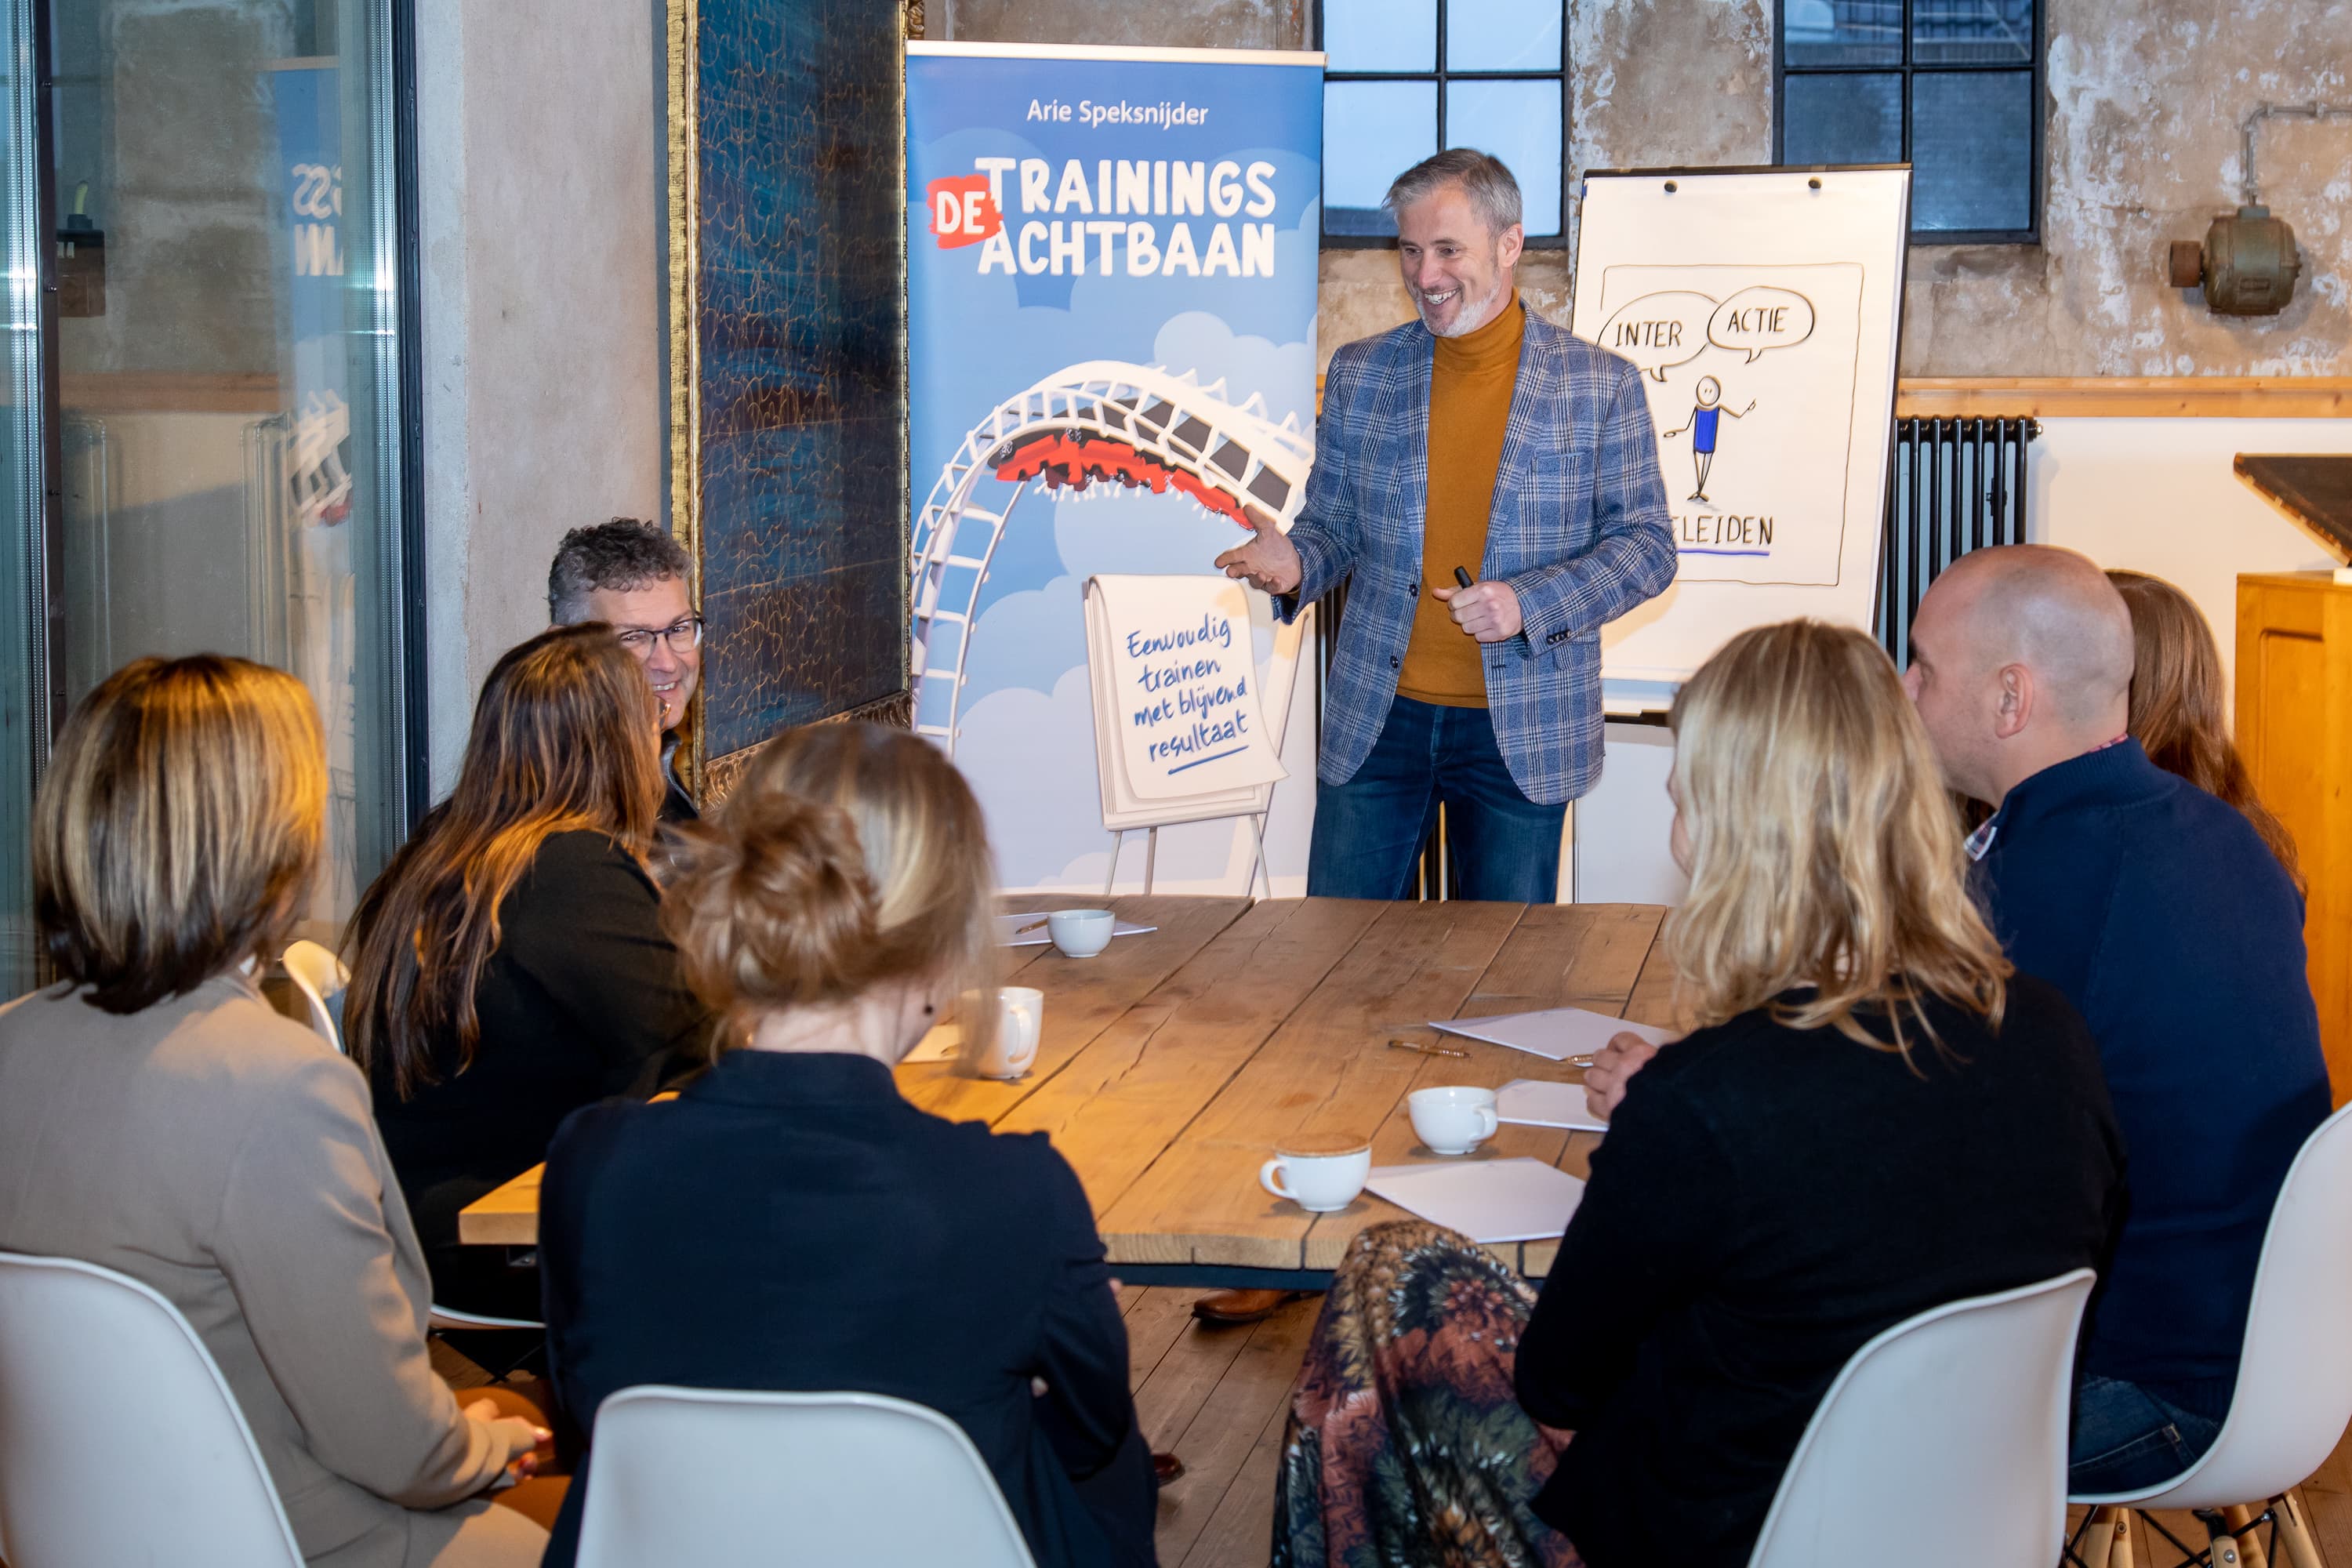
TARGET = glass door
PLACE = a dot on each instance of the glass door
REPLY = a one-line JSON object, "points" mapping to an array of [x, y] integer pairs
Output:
{"points": [[24, 466], [228, 342]]}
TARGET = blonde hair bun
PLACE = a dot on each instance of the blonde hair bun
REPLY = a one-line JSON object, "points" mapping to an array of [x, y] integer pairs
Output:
{"points": [[849, 857], [779, 909]]}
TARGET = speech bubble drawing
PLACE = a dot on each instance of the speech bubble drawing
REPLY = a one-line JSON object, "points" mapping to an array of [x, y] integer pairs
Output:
{"points": [[1761, 318], [1659, 329]]}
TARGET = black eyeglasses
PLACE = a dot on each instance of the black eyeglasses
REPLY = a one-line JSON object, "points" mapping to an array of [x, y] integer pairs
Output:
{"points": [[679, 636]]}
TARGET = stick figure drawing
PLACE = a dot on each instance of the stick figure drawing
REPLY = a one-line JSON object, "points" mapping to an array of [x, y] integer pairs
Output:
{"points": [[1702, 426]]}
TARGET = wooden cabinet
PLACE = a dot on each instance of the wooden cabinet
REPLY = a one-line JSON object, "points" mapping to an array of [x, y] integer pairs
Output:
{"points": [[2294, 727]]}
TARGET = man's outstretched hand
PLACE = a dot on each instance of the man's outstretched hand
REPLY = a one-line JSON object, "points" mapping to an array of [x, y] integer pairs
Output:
{"points": [[1268, 562]]}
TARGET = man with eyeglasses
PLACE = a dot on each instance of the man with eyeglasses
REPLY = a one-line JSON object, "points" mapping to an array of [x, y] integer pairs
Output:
{"points": [[633, 576]]}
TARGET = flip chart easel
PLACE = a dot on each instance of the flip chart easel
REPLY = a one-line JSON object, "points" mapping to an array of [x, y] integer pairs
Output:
{"points": [[1763, 308], [1127, 808]]}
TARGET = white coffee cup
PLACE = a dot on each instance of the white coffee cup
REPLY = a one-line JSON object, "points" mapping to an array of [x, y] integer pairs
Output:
{"points": [[1319, 1174], [1019, 1022], [1080, 933], [1453, 1121]]}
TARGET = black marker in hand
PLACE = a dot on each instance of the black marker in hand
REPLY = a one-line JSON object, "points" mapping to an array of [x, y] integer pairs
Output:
{"points": [[1462, 575]]}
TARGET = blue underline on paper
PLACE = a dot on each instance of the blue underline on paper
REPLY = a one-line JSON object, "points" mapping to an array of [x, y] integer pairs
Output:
{"points": [[1689, 551], [1220, 756]]}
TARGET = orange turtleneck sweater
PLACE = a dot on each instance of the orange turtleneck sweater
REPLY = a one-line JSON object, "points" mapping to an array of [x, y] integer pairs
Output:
{"points": [[1470, 389]]}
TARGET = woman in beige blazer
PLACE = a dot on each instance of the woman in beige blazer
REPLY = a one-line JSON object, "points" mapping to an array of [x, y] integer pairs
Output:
{"points": [[158, 1118]]}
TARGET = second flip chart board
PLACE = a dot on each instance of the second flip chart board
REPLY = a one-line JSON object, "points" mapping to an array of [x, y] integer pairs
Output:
{"points": [[1761, 308]]}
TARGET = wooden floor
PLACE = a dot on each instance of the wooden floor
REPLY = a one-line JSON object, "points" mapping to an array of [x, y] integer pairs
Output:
{"points": [[1217, 1398]]}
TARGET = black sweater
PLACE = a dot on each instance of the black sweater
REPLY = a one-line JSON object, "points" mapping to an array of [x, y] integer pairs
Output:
{"points": [[1766, 1201], [583, 999], [790, 1221], [2160, 913]]}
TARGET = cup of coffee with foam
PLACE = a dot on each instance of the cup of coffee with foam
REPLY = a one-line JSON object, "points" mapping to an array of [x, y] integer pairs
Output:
{"points": [[1319, 1175]]}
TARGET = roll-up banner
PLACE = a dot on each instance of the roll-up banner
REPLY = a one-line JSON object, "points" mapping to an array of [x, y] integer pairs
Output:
{"points": [[1112, 273]]}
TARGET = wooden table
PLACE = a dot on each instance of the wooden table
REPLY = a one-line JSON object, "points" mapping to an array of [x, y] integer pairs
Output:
{"points": [[1172, 1063]]}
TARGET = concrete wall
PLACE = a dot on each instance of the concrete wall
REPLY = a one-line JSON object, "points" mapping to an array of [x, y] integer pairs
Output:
{"points": [[540, 169], [2144, 99]]}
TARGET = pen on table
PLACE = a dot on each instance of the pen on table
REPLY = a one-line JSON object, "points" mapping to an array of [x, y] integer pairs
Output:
{"points": [[1426, 1050], [1462, 575], [1032, 925]]}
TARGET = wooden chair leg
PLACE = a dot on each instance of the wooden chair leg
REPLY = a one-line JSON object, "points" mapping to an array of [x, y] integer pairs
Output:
{"points": [[2295, 1530], [2106, 1541], [2250, 1542], [2220, 1542]]}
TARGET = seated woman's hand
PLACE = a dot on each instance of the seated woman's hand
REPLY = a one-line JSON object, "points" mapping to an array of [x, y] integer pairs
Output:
{"points": [[523, 1440], [1614, 1065]]}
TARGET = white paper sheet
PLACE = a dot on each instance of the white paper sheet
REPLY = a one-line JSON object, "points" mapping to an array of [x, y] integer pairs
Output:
{"points": [[1009, 932], [939, 1045], [1558, 1033], [1487, 1200], [1532, 1102]]}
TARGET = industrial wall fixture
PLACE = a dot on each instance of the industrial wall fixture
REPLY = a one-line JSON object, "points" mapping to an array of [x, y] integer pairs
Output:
{"points": [[2247, 261]]}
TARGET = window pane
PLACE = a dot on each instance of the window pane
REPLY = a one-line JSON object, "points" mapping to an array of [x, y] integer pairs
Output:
{"points": [[1841, 120], [1380, 36], [22, 686], [1972, 150], [1520, 123], [230, 475], [1373, 131], [1501, 34], [1843, 32], [1972, 32]]}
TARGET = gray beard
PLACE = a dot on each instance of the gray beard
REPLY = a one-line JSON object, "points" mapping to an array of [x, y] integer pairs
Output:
{"points": [[1467, 322]]}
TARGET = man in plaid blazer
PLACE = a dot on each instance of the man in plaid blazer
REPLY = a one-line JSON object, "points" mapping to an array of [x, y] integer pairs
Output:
{"points": [[1576, 535]]}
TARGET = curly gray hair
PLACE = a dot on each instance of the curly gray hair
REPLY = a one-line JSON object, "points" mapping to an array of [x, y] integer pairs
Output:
{"points": [[624, 553]]}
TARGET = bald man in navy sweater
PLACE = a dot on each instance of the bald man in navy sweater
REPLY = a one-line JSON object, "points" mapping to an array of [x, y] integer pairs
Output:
{"points": [[2163, 917]]}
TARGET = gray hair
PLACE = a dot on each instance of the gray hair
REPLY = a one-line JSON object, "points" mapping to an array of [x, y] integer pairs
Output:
{"points": [[1483, 178], [622, 554]]}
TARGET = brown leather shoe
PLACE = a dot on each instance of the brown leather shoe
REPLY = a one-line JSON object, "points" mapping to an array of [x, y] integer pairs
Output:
{"points": [[1242, 1306], [1166, 1468]]}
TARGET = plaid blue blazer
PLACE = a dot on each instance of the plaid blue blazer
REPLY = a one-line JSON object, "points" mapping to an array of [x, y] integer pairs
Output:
{"points": [[1579, 530]]}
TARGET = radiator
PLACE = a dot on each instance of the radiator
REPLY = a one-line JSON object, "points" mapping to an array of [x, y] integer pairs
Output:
{"points": [[1954, 486]]}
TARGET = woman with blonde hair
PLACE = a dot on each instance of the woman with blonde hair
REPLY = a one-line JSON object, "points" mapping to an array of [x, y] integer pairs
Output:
{"points": [[1872, 1116], [2177, 706], [840, 1238], [157, 1117], [509, 966]]}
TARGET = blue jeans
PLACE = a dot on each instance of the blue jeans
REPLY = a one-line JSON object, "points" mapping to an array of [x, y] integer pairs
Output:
{"points": [[2127, 1438], [1369, 830]]}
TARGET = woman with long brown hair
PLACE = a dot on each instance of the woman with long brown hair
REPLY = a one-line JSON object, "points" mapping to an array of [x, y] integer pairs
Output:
{"points": [[1873, 1116], [2176, 703], [509, 966], [159, 1118], [842, 1239]]}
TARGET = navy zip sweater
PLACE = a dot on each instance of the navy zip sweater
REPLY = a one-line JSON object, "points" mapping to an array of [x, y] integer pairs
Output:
{"points": [[2162, 916]]}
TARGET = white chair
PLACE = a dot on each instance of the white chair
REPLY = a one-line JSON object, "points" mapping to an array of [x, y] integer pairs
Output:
{"points": [[322, 978], [721, 1477], [118, 1440], [2295, 1375], [1942, 1441]]}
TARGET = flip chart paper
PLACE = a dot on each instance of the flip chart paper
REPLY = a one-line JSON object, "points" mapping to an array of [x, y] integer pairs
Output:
{"points": [[1533, 1103], [1182, 692], [1557, 1033], [1009, 935], [1487, 1200]]}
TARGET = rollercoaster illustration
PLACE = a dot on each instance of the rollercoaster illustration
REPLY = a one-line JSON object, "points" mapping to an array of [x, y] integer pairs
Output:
{"points": [[1099, 422]]}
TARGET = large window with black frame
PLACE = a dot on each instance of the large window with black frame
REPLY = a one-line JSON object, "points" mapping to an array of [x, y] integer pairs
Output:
{"points": [[1405, 77], [1952, 87]]}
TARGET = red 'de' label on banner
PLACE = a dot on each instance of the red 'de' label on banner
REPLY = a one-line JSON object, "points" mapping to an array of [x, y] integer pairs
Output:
{"points": [[962, 212]]}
